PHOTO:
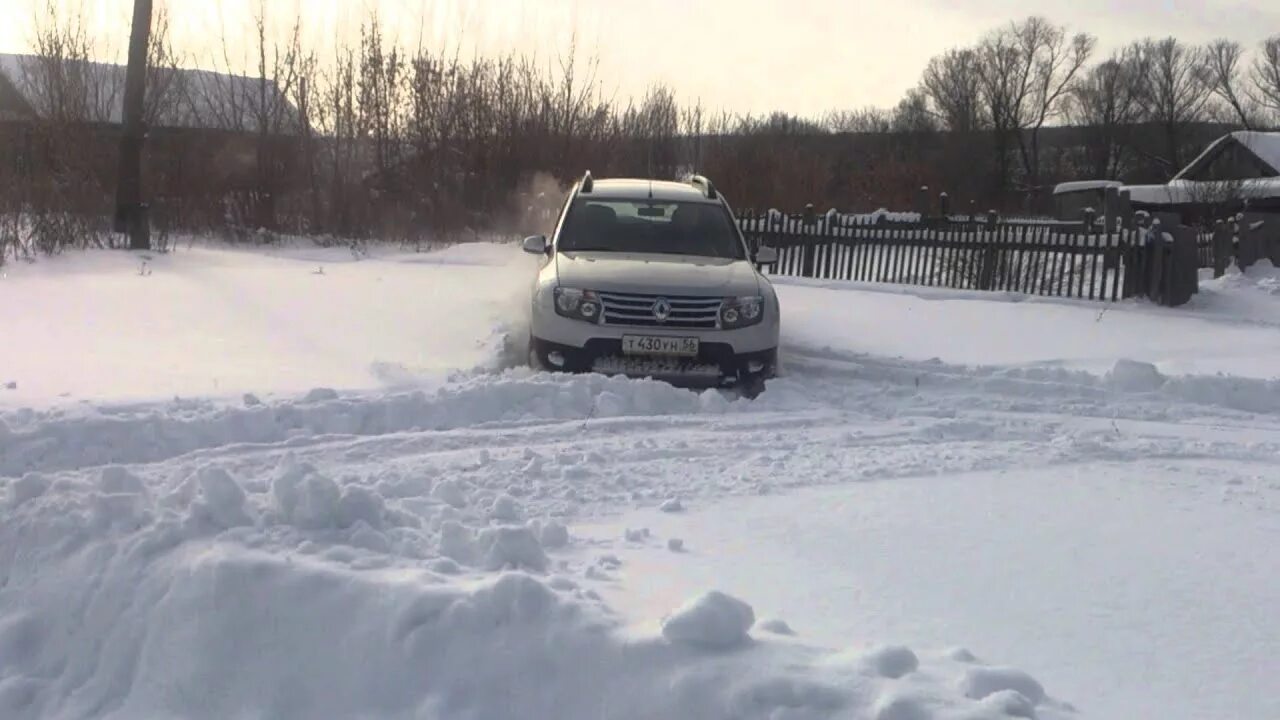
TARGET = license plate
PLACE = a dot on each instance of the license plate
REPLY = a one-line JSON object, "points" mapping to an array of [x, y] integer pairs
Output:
{"points": [[664, 346]]}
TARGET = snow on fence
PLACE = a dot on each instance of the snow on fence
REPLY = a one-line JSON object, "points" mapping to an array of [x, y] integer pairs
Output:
{"points": [[1243, 239], [1154, 258]]}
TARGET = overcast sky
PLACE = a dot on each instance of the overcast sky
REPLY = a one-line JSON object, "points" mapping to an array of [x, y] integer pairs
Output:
{"points": [[802, 56]]}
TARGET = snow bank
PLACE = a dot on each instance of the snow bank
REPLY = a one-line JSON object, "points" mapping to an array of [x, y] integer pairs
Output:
{"points": [[127, 594], [54, 440]]}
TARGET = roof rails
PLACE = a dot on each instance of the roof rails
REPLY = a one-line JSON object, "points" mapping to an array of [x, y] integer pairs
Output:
{"points": [[707, 188], [587, 182]]}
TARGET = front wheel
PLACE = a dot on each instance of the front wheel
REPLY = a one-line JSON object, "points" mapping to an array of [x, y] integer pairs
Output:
{"points": [[535, 360], [752, 386]]}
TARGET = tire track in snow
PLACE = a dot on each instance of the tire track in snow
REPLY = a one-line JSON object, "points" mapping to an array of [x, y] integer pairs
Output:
{"points": [[889, 401]]}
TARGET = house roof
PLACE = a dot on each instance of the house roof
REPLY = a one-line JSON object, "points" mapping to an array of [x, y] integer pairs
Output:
{"points": [[1264, 145], [180, 98], [1082, 185]]}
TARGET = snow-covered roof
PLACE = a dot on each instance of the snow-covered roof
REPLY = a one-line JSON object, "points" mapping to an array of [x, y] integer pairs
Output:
{"points": [[1081, 185], [1265, 145], [183, 98], [1181, 192]]}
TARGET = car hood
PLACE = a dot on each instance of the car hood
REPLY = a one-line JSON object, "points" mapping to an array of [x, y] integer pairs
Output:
{"points": [[659, 274]]}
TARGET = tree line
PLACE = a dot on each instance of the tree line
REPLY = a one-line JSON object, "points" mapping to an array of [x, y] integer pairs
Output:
{"points": [[373, 139]]}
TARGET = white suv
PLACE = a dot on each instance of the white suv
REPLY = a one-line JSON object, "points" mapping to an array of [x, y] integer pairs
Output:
{"points": [[653, 279]]}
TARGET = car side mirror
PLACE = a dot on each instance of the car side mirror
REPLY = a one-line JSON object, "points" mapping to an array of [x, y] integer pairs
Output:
{"points": [[535, 245], [767, 256]]}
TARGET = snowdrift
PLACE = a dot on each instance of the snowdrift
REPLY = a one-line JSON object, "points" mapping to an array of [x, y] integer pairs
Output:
{"points": [[298, 596]]}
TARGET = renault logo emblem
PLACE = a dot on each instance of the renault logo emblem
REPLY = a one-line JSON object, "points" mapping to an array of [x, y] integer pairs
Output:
{"points": [[661, 310]]}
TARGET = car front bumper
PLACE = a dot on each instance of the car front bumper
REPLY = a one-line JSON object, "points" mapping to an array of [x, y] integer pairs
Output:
{"points": [[716, 365]]}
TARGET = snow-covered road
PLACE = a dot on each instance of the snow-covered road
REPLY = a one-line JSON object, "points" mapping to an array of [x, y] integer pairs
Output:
{"points": [[491, 543]]}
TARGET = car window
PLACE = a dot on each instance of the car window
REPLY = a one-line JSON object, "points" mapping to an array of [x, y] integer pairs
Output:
{"points": [[650, 226]]}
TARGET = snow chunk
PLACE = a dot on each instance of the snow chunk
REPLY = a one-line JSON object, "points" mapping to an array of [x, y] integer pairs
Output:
{"points": [[675, 545], [1134, 376], [450, 492], [223, 497], [776, 626], [554, 535], [978, 683], [28, 487], [893, 661], [515, 547], [506, 508], [306, 499], [901, 707], [456, 542], [360, 504], [515, 597], [560, 582], [636, 536], [715, 621], [960, 654], [320, 395], [251, 400], [672, 505], [1010, 703], [119, 481], [445, 566], [369, 539]]}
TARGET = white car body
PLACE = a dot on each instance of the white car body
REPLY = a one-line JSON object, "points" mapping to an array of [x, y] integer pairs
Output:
{"points": [[655, 308]]}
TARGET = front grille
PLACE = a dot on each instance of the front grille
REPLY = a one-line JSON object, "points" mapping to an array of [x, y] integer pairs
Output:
{"points": [[633, 310]]}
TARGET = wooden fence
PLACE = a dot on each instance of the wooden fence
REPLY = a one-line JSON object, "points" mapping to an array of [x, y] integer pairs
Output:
{"points": [[1143, 256], [1243, 240]]}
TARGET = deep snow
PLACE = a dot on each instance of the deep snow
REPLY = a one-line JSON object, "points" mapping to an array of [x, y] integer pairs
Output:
{"points": [[210, 322], [393, 525], [1126, 583], [219, 323]]}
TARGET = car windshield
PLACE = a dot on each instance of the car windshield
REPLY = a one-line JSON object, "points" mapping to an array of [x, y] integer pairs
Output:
{"points": [[650, 226]]}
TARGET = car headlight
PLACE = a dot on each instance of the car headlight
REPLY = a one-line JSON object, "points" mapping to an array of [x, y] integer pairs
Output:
{"points": [[578, 304], [740, 312]]}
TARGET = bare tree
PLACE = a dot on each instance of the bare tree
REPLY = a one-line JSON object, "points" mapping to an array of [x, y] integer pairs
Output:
{"points": [[1106, 102], [1005, 78], [1264, 76], [953, 83], [1052, 63], [1176, 92], [62, 81], [1222, 66], [912, 115], [65, 186], [1027, 69], [867, 120], [166, 86]]}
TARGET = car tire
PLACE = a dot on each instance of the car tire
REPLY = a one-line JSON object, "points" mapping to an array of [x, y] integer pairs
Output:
{"points": [[752, 386], [531, 354]]}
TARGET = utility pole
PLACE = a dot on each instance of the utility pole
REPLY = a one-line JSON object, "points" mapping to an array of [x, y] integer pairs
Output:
{"points": [[131, 212]]}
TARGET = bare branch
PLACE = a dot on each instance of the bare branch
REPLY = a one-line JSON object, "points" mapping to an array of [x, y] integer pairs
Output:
{"points": [[1222, 65], [1265, 76]]}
